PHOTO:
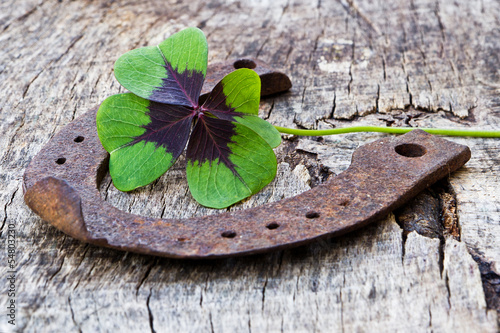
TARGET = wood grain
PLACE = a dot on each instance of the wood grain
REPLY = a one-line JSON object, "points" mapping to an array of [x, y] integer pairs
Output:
{"points": [[403, 63]]}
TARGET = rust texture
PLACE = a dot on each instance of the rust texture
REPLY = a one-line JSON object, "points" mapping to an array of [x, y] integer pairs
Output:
{"points": [[61, 185]]}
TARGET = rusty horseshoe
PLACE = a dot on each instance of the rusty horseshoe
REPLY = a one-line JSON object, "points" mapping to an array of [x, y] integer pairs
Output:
{"points": [[61, 186]]}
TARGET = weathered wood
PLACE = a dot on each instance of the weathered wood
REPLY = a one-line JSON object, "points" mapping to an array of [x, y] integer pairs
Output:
{"points": [[407, 63]]}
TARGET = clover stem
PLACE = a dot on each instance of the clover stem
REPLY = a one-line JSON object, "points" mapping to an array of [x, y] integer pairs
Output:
{"points": [[393, 130]]}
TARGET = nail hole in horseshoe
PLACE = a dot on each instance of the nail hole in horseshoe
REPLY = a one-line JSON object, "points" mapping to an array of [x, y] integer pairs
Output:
{"points": [[410, 150], [272, 226], [312, 214], [79, 139], [244, 63], [228, 234], [344, 203], [61, 161]]}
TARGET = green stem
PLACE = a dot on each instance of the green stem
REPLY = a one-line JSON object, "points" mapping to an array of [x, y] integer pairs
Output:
{"points": [[393, 130]]}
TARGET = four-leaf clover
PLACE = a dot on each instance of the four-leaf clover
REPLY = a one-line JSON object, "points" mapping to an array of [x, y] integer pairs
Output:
{"points": [[229, 148]]}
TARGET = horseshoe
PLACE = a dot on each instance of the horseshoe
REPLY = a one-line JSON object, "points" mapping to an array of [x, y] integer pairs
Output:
{"points": [[61, 186]]}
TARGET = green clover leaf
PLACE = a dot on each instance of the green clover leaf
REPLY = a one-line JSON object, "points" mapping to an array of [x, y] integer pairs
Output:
{"points": [[229, 148]]}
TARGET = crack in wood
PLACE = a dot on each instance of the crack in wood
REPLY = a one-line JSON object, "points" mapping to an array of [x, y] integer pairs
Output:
{"points": [[264, 293], [149, 268], [490, 278], [73, 315], [211, 322], [7, 204], [150, 313]]}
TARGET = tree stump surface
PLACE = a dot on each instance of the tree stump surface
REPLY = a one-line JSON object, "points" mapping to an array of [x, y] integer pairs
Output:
{"points": [[432, 265]]}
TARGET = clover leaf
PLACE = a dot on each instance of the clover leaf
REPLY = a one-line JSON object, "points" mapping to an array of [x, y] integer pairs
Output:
{"points": [[229, 148]]}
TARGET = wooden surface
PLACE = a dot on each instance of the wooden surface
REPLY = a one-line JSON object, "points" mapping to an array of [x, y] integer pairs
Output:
{"points": [[401, 63]]}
